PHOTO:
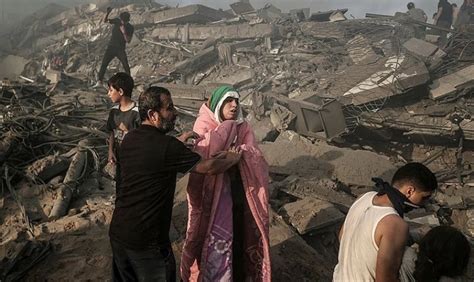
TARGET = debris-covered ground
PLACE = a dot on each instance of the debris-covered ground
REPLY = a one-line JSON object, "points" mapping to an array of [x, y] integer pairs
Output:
{"points": [[333, 102]]}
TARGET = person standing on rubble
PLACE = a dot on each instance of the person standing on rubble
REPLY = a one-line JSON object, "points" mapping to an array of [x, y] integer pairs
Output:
{"points": [[122, 118], [227, 237], [444, 19], [418, 15], [150, 161], [122, 32], [374, 234]]}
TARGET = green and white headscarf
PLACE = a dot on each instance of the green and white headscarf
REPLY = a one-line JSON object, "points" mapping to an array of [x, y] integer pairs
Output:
{"points": [[217, 99]]}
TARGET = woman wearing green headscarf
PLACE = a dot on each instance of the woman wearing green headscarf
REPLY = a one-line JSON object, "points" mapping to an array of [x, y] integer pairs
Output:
{"points": [[227, 236]]}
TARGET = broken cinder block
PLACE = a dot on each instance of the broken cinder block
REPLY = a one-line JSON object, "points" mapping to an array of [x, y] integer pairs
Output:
{"points": [[312, 214]]}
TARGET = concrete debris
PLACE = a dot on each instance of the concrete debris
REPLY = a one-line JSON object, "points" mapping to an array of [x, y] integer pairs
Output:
{"points": [[201, 60], [227, 32], [326, 16], [360, 50], [12, 66], [241, 8], [197, 14], [399, 74], [452, 84], [309, 215], [333, 101], [320, 188], [305, 262]]}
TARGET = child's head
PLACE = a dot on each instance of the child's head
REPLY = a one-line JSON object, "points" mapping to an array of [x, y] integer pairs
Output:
{"points": [[444, 251], [120, 84]]}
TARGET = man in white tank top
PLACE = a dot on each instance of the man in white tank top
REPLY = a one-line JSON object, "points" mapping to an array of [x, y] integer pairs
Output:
{"points": [[374, 234]]}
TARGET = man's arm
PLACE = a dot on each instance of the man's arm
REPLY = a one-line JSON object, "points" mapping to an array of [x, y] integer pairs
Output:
{"points": [[126, 35], [106, 17], [341, 231], [218, 165], [391, 236], [438, 14]]}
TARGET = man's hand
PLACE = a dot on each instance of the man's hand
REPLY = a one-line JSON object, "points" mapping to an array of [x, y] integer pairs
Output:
{"points": [[186, 135], [112, 158], [234, 154]]}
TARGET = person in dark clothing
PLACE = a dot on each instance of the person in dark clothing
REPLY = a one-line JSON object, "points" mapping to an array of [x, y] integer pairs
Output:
{"points": [[444, 19], [418, 15], [122, 118], [150, 161], [122, 32]]}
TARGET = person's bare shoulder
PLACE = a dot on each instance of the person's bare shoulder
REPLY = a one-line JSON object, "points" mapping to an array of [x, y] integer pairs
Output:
{"points": [[391, 226]]}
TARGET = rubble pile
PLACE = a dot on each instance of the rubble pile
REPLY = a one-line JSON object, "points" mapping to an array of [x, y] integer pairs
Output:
{"points": [[332, 101]]}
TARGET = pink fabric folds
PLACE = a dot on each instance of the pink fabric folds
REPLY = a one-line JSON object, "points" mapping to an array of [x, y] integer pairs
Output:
{"points": [[207, 252]]}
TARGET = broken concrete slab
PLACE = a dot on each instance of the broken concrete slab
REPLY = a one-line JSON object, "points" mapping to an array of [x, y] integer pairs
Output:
{"points": [[201, 60], [185, 91], [226, 32], [241, 8], [420, 48], [305, 264], [452, 83], [294, 154], [321, 188], [360, 50], [431, 220], [399, 75], [270, 13], [281, 117], [323, 30], [301, 14], [238, 79], [53, 76], [197, 14], [325, 16], [337, 16], [12, 66], [263, 128], [311, 214]]}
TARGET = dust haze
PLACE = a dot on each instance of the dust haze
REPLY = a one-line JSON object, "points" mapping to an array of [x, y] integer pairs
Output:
{"points": [[13, 10]]}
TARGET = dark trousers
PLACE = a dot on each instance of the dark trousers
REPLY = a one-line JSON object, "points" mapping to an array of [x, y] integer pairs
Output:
{"points": [[156, 264], [109, 55], [238, 222], [443, 39]]}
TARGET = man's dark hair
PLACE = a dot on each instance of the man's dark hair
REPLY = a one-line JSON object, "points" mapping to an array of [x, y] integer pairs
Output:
{"points": [[444, 251], [454, 5], [417, 175], [410, 5], [122, 81], [125, 16], [151, 100]]}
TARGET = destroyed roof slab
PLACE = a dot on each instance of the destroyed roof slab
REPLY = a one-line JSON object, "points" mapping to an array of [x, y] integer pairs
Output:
{"points": [[198, 14], [227, 32], [450, 84], [324, 16], [398, 75], [240, 8]]}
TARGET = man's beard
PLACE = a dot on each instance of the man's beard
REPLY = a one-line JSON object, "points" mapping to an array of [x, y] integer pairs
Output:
{"points": [[166, 124]]}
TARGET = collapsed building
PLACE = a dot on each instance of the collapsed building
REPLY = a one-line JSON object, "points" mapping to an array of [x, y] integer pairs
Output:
{"points": [[332, 101]]}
